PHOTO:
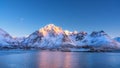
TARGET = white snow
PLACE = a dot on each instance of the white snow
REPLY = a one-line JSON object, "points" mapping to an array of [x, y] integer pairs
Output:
{"points": [[53, 36]]}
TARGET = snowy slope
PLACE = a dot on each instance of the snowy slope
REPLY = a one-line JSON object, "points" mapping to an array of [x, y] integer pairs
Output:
{"points": [[48, 36], [51, 36], [6, 39], [99, 39]]}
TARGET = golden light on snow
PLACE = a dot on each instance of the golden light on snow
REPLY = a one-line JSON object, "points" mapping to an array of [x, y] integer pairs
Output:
{"points": [[67, 32], [50, 28], [54, 60]]}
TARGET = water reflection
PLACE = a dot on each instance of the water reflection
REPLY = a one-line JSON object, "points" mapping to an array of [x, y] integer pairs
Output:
{"points": [[18, 60], [54, 60], [59, 60], [78, 60]]}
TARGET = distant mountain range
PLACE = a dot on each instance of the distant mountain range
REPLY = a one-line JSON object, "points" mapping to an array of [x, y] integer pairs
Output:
{"points": [[54, 38]]}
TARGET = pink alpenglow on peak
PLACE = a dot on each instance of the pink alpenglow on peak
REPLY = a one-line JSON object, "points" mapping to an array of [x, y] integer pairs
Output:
{"points": [[51, 36], [51, 28]]}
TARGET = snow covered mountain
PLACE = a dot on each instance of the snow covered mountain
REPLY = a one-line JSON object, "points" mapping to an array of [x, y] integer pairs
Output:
{"points": [[6, 39], [52, 36], [95, 39], [48, 36]]}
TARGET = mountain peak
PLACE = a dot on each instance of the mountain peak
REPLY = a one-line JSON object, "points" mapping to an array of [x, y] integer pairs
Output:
{"points": [[50, 25], [50, 28], [98, 33]]}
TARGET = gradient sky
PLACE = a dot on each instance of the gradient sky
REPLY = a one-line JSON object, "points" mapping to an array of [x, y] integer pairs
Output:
{"points": [[22, 17]]}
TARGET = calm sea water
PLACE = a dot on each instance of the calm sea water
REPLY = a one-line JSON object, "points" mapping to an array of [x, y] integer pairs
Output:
{"points": [[44, 59]]}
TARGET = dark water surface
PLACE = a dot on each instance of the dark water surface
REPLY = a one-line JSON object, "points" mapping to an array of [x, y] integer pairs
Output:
{"points": [[45, 59]]}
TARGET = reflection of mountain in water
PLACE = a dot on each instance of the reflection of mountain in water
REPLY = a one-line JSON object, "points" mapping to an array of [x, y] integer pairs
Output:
{"points": [[45, 59]]}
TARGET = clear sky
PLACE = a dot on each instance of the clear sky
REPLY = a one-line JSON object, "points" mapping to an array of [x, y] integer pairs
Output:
{"points": [[22, 17]]}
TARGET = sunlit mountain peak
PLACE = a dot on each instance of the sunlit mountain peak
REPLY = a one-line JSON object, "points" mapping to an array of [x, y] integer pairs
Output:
{"points": [[50, 25], [67, 32], [50, 28]]}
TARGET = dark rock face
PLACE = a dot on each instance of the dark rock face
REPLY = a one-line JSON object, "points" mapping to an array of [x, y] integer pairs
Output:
{"points": [[97, 34], [53, 38], [80, 36], [33, 38], [66, 38]]}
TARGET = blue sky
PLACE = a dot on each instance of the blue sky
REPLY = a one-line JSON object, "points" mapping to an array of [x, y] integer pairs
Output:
{"points": [[22, 17]]}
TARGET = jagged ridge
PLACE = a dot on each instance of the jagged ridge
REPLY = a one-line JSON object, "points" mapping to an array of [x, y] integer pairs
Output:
{"points": [[52, 36]]}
